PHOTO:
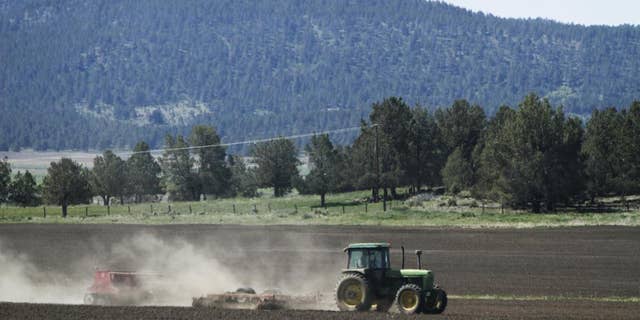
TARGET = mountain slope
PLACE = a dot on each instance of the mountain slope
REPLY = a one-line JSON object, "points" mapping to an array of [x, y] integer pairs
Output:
{"points": [[97, 74]]}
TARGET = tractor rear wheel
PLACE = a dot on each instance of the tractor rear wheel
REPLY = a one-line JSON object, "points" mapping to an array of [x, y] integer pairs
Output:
{"points": [[438, 304], [353, 293], [409, 299]]}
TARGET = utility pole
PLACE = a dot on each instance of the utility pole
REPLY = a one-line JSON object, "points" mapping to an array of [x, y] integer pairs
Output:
{"points": [[377, 152]]}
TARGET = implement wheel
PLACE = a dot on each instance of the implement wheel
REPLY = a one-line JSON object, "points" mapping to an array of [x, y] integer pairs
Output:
{"points": [[353, 293], [89, 299], [409, 299]]}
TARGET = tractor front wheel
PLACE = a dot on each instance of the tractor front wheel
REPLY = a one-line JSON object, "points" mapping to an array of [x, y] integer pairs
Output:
{"points": [[409, 299], [353, 293], [438, 303]]}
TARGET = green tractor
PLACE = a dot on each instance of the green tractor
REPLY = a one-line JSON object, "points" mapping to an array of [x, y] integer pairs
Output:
{"points": [[368, 281]]}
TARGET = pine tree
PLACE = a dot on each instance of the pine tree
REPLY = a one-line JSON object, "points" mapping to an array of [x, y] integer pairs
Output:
{"points": [[323, 161], [5, 179], [109, 176], [23, 190], [213, 172], [178, 175], [276, 161], [66, 183], [142, 173]]}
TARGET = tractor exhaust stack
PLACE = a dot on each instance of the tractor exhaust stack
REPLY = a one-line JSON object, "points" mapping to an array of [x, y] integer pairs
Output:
{"points": [[419, 254], [402, 247]]}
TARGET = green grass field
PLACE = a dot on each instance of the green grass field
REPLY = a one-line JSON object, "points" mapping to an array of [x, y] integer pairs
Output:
{"points": [[341, 209]]}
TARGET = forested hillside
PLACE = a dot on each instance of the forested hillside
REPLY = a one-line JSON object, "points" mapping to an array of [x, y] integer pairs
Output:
{"points": [[97, 74]]}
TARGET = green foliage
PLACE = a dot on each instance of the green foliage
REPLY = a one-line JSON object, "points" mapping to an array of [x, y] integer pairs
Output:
{"points": [[457, 174], [5, 179], [426, 150], [142, 172], [630, 150], [462, 126], [212, 170], [66, 183], [23, 190], [243, 179], [274, 67], [276, 164], [537, 156], [323, 160], [109, 176], [178, 175]]}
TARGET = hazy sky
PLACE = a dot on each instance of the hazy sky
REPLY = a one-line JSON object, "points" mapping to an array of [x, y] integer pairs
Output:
{"points": [[588, 12]]}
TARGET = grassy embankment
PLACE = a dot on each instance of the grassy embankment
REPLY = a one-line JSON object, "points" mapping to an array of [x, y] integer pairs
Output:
{"points": [[341, 209]]}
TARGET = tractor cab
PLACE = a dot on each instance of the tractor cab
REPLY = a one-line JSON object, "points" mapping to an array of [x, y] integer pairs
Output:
{"points": [[368, 256]]}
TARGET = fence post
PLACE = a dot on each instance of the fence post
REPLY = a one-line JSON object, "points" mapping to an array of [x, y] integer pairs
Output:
{"points": [[296, 206], [169, 208], [234, 208], [366, 207], [151, 207], [255, 209], [86, 212], [342, 209], [108, 210], [190, 212], [269, 206], [129, 209], [44, 212]]}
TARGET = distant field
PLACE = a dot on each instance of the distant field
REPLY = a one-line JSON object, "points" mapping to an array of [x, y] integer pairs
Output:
{"points": [[341, 209], [37, 162]]}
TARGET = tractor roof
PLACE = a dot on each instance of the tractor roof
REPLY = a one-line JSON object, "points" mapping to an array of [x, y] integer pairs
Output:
{"points": [[370, 245]]}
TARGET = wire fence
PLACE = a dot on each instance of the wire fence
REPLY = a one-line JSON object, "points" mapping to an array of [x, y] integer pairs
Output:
{"points": [[195, 208]]}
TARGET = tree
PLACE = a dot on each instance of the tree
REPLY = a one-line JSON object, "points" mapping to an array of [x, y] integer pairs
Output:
{"points": [[143, 172], [630, 150], [66, 182], [602, 149], [276, 161], [493, 157], [363, 162], [109, 176], [323, 161], [178, 176], [393, 118], [243, 179], [457, 173], [5, 179], [213, 172], [426, 149], [537, 156], [23, 190], [462, 127]]}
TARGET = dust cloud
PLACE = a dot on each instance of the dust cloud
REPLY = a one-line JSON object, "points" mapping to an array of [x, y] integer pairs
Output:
{"points": [[21, 281], [181, 270]]}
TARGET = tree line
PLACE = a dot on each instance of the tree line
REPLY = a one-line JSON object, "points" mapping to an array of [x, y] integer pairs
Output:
{"points": [[263, 68], [533, 157]]}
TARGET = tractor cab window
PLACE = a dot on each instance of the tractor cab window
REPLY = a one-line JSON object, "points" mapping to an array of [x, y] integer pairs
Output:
{"points": [[368, 259]]}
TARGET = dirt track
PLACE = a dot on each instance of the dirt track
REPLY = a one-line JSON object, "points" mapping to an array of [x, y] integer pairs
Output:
{"points": [[581, 261], [462, 309]]}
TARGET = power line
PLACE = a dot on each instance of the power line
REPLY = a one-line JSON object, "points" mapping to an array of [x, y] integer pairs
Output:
{"points": [[129, 153]]}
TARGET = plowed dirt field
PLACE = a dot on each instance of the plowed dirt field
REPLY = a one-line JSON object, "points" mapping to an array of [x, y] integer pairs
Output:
{"points": [[583, 272]]}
